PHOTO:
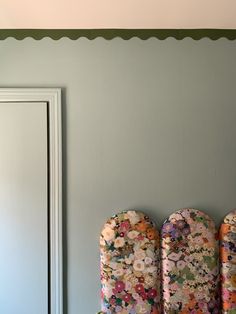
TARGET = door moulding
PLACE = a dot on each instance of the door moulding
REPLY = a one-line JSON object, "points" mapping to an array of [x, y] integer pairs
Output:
{"points": [[52, 96]]}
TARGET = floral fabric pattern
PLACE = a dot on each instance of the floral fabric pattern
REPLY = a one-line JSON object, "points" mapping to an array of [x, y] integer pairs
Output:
{"points": [[228, 263], [130, 273], [190, 273]]}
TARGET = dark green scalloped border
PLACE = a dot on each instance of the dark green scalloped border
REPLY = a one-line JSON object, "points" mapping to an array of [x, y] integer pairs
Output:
{"points": [[126, 34]]}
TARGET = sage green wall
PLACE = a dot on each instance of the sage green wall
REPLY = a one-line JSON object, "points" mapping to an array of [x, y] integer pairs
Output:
{"points": [[146, 124]]}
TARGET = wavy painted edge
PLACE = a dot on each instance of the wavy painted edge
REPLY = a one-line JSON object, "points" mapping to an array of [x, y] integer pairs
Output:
{"points": [[125, 34]]}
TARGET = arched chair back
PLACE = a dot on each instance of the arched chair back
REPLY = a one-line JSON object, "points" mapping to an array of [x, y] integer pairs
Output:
{"points": [[190, 274], [130, 265]]}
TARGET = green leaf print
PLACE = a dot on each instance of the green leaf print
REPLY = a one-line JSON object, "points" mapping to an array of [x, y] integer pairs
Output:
{"points": [[118, 301], [211, 263], [187, 273], [180, 280], [151, 301]]}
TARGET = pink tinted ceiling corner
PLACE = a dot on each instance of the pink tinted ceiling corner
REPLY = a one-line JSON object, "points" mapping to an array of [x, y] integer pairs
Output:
{"points": [[78, 14]]}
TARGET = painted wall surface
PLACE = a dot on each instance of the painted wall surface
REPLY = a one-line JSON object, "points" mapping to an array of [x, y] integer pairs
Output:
{"points": [[118, 14], [146, 124]]}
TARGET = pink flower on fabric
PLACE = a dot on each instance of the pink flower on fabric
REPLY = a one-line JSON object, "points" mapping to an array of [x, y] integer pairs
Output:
{"points": [[124, 226], [140, 237], [144, 295], [186, 231], [189, 258], [174, 256], [139, 288], [166, 280], [120, 286], [225, 294], [201, 228], [180, 224], [181, 265], [166, 294], [198, 240], [112, 301], [126, 297], [174, 287], [152, 293], [168, 266], [201, 305]]}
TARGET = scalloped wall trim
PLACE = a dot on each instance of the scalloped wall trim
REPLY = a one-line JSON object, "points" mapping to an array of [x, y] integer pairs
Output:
{"points": [[125, 34]]}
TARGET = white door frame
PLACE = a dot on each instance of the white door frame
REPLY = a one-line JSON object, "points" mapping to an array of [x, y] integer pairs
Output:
{"points": [[52, 96]]}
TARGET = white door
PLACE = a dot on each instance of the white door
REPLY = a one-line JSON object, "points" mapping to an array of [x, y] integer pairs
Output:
{"points": [[23, 208]]}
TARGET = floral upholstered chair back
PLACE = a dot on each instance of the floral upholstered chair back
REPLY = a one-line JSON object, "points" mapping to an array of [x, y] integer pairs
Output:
{"points": [[180, 273], [130, 266]]}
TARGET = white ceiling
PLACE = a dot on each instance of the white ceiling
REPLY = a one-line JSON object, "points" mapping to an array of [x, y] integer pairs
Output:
{"points": [[80, 14]]}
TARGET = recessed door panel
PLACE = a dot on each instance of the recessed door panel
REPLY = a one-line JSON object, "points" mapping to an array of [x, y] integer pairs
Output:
{"points": [[23, 208]]}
